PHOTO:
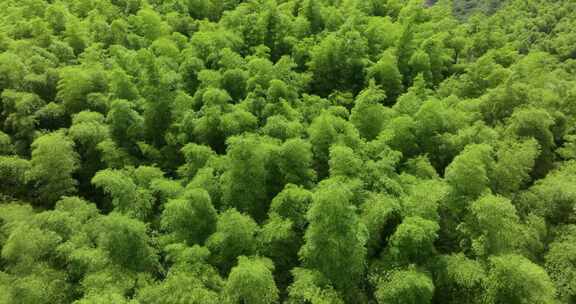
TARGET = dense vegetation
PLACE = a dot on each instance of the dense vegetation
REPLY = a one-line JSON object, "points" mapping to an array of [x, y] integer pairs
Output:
{"points": [[287, 151]]}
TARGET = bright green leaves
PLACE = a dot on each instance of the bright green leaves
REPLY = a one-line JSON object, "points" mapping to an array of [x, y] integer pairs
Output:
{"points": [[76, 85], [191, 218], [126, 124], [535, 123], [6, 146], [514, 165], [19, 110], [514, 279], [385, 73], [338, 62], [405, 286], [209, 43], [335, 239], [400, 134], [56, 16], [459, 279], [178, 288], [235, 236], [281, 235], [221, 119], [325, 131], [368, 114], [322, 134], [269, 26], [27, 245], [294, 160], [381, 32], [76, 35], [312, 11], [560, 263], [297, 151], [110, 297], [196, 156], [251, 281], [88, 129], [280, 240], [13, 174], [190, 279], [380, 215], [343, 162], [51, 167], [129, 190], [292, 203], [468, 173], [44, 287], [12, 71], [554, 197], [420, 65], [413, 240], [311, 286], [494, 226], [122, 86], [149, 24], [34, 246], [234, 81], [278, 126], [244, 184], [126, 242]]}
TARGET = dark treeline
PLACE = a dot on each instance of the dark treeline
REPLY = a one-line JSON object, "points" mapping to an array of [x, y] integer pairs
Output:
{"points": [[287, 151]]}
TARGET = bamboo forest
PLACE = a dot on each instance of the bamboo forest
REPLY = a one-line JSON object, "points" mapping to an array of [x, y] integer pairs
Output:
{"points": [[287, 151]]}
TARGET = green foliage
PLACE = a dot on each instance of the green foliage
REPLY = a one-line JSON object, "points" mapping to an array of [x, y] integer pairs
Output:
{"points": [[560, 262], [413, 240], [343, 162], [28, 244], [292, 203], [326, 130], [552, 197], [386, 74], [380, 215], [468, 173], [103, 298], [251, 281], [287, 151], [191, 218], [405, 286], [19, 117], [368, 114], [311, 286], [125, 123], [178, 288], [459, 279], [235, 236], [335, 240], [51, 167], [75, 86], [126, 242], [338, 62], [13, 174], [294, 161], [127, 196], [244, 183], [514, 164], [514, 279], [535, 123], [494, 226]]}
